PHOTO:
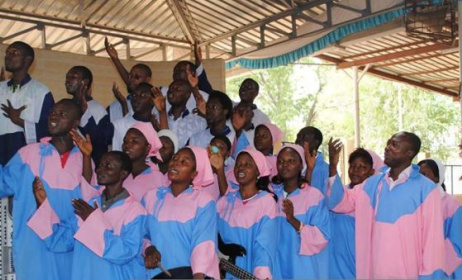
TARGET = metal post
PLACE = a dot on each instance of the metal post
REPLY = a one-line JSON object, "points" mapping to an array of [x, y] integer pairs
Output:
{"points": [[356, 92], [400, 109], [128, 54], [459, 16]]}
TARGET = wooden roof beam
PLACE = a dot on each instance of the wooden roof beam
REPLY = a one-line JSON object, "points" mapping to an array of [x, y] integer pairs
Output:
{"points": [[430, 71], [386, 57], [397, 78], [386, 49]]}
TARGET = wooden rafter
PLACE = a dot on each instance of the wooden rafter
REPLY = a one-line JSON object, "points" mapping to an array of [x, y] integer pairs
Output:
{"points": [[386, 57], [386, 49], [395, 77], [430, 71]]}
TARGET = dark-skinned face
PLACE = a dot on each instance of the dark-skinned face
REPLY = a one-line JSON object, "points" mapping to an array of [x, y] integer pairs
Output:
{"points": [[109, 170], [248, 91], [245, 169], [62, 119], [135, 145], [136, 77], [16, 59], [289, 164], [182, 167], [398, 150], [73, 80], [263, 140], [428, 172], [168, 149], [359, 170]]}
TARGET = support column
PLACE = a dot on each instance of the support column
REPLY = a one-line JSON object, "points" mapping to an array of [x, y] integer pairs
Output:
{"points": [[356, 96], [356, 79], [459, 18]]}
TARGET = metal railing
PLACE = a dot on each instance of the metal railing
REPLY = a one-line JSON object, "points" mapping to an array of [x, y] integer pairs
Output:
{"points": [[452, 182]]}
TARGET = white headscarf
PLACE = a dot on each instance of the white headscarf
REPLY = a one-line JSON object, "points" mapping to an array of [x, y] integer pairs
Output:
{"points": [[441, 175], [170, 134]]}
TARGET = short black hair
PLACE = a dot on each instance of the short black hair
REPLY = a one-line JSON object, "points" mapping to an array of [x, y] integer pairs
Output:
{"points": [[191, 65], [414, 140], [25, 48], [252, 81], [85, 72], [144, 87], [317, 134], [363, 154], [144, 68], [224, 100], [224, 139], [126, 163], [73, 106]]}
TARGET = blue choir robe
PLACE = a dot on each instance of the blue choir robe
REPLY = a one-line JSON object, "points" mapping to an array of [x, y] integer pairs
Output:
{"points": [[253, 225], [304, 254], [452, 215], [398, 227], [342, 264], [183, 229], [320, 175], [107, 245], [31, 258]]}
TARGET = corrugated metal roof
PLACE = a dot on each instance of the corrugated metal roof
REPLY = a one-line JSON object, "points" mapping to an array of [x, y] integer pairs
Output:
{"points": [[153, 30], [397, 56], [147, 25]]}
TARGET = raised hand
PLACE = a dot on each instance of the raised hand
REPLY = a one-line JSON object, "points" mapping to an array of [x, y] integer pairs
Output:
{"points": [[13, 114], [82, 208], [111, 51], [158, 99], [197, 53], [200, 104], [39, 191], [310, 156], [152, 257], [117, 94], [84, 144], [216, 159], [120, 98], [335, 147], [193, 79]]}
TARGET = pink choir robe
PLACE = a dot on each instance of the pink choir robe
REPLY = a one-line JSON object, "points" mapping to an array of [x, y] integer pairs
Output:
{"points": [[149, 179], [254, 226], [107, 245], [183, 229], [32, 259], [452, 216], [399, 231]]}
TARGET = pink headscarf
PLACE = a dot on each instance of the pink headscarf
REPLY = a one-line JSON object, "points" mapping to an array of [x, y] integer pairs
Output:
{"points": [[204, 175], [299, 149], [260, 160], [276, 133], [151, 136], [377, 162]]}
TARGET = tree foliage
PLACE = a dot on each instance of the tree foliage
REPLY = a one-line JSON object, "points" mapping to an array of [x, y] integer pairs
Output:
{"points": [[307, 94]]}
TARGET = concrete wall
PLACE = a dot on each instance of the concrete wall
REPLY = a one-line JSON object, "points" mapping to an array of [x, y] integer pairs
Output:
{"points": [[50, 67]]}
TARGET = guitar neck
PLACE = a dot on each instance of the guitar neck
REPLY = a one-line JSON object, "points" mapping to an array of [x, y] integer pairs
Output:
{"points": [[235, 270]]}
